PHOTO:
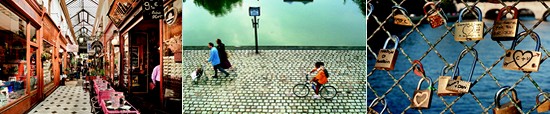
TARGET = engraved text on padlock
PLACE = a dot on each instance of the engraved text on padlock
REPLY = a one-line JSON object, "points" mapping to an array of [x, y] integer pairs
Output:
{"points": [[402, 20], [504, 30], [469, 31], [459, 85]]}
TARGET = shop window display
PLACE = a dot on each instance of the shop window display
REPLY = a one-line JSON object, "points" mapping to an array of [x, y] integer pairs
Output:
{"points": [[34, 74], [13, 50], [47, 62]]}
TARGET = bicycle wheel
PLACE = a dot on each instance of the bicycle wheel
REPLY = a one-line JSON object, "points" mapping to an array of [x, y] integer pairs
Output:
{"points": [[328, 92], [300, 90]]}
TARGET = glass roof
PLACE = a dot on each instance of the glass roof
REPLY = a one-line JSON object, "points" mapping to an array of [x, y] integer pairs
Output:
{"points": [[82, 14]]}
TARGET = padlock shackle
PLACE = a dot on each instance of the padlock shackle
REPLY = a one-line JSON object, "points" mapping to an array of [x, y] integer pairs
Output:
{"points": [[446, 68], [428, 79], [443, 15], [465, 51], [371, 7], [383, 103], [419, 66], [537, 46], [542, 93], [402, 9], [388, 40], [478, 11], [430, 4], [503, 9], [499, 93]]}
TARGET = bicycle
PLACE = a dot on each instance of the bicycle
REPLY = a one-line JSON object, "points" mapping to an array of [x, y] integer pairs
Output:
{"points": [[302, 89]]}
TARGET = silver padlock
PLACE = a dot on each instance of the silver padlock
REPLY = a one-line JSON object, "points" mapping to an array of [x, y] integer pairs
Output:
{"points": [[372, 111]]}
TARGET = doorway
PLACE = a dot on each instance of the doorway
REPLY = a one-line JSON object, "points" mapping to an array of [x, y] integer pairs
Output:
{"points": [[143, 51]]}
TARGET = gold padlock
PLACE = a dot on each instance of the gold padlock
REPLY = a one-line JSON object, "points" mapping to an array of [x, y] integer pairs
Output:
{"points": [[460, 85], [435, 19], [504, 30], [387, 57], [401, 19], [371, 109], [443, 80], [469, 31], [545, 106], [523, 60], [508, 108], [422, 99]]}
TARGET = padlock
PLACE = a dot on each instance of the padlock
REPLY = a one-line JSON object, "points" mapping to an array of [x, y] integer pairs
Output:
{"points": [[371, 109], [460, 85], [469, 31], [545, 106], [523, 60], [504, 30], [419, 69], [422, 99], [401, 19], [370, 10], [387, 57], [508, 108], [443, 80], [435, 19]]}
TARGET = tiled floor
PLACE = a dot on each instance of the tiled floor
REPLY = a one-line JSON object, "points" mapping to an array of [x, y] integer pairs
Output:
{"points": [[69, 99]]}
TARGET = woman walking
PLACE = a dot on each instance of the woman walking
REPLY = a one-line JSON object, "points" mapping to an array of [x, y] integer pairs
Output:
{"points": [[224, 61]]}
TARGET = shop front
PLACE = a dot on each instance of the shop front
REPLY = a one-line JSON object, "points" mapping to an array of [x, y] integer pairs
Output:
{"points": [[138, 44], [18, 49], [49, 55]]}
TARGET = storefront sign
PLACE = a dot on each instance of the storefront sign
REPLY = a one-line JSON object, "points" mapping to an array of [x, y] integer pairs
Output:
{"points": [[152, 9], [171, 13], [89, 47], [72, 48], [120, 9]]}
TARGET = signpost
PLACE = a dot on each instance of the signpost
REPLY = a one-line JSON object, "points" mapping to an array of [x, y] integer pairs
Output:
{"points": [[153, 9], [255, 11]]}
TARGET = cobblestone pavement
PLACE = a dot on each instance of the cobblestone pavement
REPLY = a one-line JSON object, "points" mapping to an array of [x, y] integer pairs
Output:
{"points": [[263, 83]]}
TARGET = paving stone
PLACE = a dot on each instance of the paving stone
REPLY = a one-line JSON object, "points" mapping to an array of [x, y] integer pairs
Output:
{"points": [[263, 83]]}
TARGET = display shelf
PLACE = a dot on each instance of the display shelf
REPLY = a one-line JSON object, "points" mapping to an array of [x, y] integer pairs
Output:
{"points": [[172, 76], [171, 68]]}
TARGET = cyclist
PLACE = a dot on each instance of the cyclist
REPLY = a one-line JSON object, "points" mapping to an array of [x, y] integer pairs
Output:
{"points": [[320, 78]]}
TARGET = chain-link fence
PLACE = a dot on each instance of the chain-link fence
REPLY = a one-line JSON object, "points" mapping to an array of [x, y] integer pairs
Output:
{"points": [[435, 48]]}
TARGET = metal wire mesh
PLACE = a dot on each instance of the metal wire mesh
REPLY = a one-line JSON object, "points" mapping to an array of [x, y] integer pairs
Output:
{"points": [[432, 48]]}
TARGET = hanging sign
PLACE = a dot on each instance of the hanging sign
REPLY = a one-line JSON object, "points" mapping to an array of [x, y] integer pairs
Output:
{"points": [[72, 48], [120, 9]]}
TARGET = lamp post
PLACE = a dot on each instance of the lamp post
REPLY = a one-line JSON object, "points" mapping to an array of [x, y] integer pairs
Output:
{"points": [[255, 11]]}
